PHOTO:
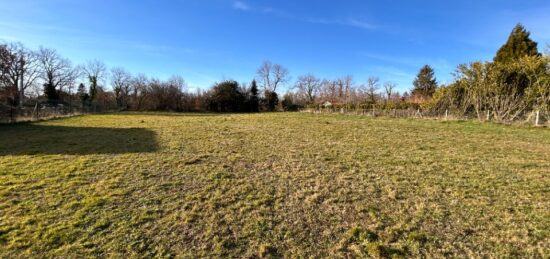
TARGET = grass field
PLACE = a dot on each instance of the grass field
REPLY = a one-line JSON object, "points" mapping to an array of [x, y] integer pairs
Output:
{"points": [[272, 185]]}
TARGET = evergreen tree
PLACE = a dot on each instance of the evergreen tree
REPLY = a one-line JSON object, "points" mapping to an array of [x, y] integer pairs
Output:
{"points": [[51, 92], [84, 97], [519, 44], [271, 100], [425, 82], [512, 77], [93, 87], [254, 99], [226, 97]]}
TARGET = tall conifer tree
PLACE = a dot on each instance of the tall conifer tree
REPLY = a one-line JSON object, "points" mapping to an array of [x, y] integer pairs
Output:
{"points": [[519, 44], [425, 82], [254, 99]]}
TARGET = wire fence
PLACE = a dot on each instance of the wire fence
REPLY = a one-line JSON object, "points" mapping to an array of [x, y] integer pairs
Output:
{"points": [[11, 114], [535, 118]]}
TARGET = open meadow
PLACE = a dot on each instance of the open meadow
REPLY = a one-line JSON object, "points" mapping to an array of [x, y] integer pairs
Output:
{"points": [[272, 185]]}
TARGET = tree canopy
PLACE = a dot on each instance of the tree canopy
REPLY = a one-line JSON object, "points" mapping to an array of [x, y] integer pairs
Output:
{"points": [[425, 82], [518, 45]]}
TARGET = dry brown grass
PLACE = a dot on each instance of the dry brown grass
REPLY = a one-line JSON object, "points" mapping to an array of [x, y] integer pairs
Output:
{"points": [[272, 185]]}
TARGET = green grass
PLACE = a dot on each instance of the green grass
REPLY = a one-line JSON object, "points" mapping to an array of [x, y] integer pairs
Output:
{"points": [[272, 185]]}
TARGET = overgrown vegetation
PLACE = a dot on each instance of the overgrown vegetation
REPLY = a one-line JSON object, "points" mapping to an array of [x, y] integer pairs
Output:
{"points": [[517, 82], [208, 185]]}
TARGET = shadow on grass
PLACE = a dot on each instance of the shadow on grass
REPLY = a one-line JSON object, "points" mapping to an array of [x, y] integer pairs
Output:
{"points": [[31, 139]]}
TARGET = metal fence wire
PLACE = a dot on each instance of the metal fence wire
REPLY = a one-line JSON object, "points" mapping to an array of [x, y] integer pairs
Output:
{"points": [[10, 114], [536, 118]]}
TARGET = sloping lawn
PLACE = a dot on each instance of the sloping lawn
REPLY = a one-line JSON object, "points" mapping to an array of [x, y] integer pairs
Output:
{"points": [[272, 185]]}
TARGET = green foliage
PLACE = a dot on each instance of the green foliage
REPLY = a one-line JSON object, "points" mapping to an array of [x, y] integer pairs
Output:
{"points": [[518, 45], [425, 82], [93, 88], [83, 95], [450, 97], [517, 82], [506, 90], [289, 103], [254, 101], [226, 97], [50, 92], [511, 59], [271, 100], [537, 72]]}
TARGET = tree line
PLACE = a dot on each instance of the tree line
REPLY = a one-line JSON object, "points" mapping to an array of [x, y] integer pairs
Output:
{"points": [[517, 80], [43, 76]]}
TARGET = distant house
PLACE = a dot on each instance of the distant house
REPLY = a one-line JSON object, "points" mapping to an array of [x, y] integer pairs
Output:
{"points": [[329, 104]]}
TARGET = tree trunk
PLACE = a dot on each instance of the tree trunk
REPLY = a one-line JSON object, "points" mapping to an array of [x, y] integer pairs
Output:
{"points": [[21, 89]]}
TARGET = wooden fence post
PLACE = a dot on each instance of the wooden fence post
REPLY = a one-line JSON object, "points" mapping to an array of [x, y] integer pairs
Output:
{"points": [[446, 114], [537, 119]]}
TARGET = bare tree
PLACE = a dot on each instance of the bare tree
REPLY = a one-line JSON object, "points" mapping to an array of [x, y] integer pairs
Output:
{"points": [[280, 75], [121, 80], [475, 77], [21, 70], [389, 88], [270, 76], [264, 75], [139, 88], [347, 82], [7, 93], [158, 94], [308, 86], [95, 71], [56, 72], [372, 88], [4, 59], [178, 82], [175, 87], [339, 83], [343, 86], [328, 90]]}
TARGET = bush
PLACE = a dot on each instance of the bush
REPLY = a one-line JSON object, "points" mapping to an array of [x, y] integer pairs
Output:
{"points": [[271, 100], [226, 97], [289, 104]]}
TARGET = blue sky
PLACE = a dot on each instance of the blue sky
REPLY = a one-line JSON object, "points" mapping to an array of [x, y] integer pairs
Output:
{"points": [[209, 40]]}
